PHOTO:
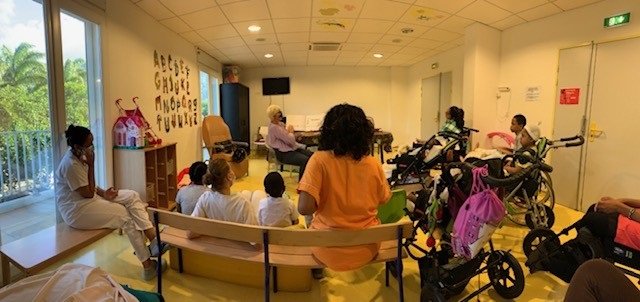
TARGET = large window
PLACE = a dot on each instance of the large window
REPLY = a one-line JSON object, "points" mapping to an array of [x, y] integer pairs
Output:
{"points": [[36, 106], [209, 91], [209, 96]]}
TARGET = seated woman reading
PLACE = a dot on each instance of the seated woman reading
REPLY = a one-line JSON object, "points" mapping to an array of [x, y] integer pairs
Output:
{"points": [[344, 185], [283, 142], [83, 205]]}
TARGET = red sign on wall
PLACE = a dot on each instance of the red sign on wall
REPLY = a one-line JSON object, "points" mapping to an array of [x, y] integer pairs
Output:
{"points": [[569, 96]]}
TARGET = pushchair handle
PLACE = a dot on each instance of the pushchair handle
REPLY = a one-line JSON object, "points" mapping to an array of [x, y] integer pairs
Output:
{"points": [[573, 141], [500, 182], [118, 105]]}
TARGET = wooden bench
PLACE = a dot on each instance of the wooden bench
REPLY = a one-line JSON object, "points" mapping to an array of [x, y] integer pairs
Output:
{"points": [[35, 252], [280, 247]]}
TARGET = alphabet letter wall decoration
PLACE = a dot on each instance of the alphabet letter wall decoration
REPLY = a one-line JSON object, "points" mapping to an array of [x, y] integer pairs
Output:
{"points": [[158, 81], [155, 59], [171, 80], [165, 87], [167, 125]]}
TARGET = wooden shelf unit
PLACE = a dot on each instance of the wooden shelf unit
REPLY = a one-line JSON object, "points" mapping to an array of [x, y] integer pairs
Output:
{"points": [[150, 171]]}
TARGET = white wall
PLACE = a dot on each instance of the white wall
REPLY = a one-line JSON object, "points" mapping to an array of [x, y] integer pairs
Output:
{"points": [[130, 38], [529, 54], [315, 89], [481, 61], [526, 55], [408, 127]]}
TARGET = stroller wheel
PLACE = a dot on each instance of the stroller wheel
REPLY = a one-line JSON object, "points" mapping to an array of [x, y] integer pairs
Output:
{"points": [[535, 238], [506, 276], [430, 293], [544, 219]]}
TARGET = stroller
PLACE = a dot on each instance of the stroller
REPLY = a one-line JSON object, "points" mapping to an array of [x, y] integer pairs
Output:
{"points": [[441, 276], [413, 167], [545, 252], [530, 203], [136, 114]]}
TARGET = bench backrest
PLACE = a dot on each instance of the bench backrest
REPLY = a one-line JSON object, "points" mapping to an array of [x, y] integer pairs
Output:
{"points": [[282, 236]]}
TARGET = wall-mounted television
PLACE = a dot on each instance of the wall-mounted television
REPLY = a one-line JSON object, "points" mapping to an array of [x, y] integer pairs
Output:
{"points": [[274, 86]]}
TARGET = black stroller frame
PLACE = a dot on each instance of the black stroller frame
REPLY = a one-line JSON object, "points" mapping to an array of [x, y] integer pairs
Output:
{"points": [[538, 208], [420, 168], [615, 253], [438, 282]]}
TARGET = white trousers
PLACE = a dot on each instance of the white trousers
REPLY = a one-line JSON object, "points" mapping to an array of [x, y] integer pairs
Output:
{"points": [[127, 211]]}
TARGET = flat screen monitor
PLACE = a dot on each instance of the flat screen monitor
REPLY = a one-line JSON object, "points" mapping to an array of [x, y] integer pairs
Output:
{"points": [[274, 86]]}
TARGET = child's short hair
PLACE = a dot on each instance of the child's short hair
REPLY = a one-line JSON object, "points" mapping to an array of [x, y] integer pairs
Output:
{"points": [[520, 119], [196, 171], [274, 184]]}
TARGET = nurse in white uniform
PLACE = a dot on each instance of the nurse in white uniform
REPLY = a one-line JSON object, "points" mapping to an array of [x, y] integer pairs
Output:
{"points": [[83, 205]]}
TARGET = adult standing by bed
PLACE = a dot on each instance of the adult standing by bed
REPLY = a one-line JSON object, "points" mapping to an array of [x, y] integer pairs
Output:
{"points": [[282, 140], [344, 185], [83, 205]]}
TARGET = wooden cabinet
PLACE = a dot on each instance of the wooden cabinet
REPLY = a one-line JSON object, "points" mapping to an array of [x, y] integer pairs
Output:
{"points": [[150, 171]]}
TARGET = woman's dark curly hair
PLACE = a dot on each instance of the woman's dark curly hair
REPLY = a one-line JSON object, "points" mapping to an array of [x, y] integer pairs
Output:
{"points": [[346, 131], [457, 115]]}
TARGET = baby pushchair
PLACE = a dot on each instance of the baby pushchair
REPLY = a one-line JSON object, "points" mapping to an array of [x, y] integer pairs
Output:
{"points": [[413, 166], [441, 274], [545, 252]]}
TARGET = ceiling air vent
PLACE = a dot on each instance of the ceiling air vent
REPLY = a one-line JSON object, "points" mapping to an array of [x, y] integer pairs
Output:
{"points": [[323, 46]]}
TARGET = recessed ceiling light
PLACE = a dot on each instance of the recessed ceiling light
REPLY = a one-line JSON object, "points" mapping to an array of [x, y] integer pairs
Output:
{"points": [[406, 30], [268, 56], [378, 55], [254, 28], [261, 39]]}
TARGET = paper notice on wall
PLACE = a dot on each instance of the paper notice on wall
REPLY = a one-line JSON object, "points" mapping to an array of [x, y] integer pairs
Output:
{"points": [[299, 122], [569, 96], [532, 94], [314, 122]]}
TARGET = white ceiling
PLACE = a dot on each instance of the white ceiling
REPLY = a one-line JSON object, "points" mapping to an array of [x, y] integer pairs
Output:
{"points": [[364, 27]]}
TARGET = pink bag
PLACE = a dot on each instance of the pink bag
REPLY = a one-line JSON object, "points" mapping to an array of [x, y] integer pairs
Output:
{"points": [[478, 217]]}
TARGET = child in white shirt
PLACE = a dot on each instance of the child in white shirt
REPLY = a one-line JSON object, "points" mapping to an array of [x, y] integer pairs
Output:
{"points": [[188, 195], [275, 210], [220, 204]]}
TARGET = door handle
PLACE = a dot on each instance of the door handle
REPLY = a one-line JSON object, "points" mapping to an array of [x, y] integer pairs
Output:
{"points": [[594, 132]]}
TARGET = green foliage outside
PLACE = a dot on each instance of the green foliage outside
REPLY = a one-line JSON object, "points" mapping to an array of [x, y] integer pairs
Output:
{"points": [[24, 106], [24, 99]]}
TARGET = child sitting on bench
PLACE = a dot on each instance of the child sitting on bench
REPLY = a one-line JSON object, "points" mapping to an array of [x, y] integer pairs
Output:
{"points": [[276, 210], [189, 195]]}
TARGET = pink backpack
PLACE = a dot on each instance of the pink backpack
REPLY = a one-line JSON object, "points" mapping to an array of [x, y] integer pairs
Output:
{"points": [[478, 217]]}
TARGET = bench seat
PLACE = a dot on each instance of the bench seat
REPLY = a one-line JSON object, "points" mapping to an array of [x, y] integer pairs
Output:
{"points": [[280, 256], [35, 252]]}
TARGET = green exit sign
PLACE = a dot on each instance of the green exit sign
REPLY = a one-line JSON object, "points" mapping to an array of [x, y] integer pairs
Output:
{"points": [[617, 20]]}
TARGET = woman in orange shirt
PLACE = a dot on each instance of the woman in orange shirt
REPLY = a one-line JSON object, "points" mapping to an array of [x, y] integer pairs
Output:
{"points": [[343, 185]]}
